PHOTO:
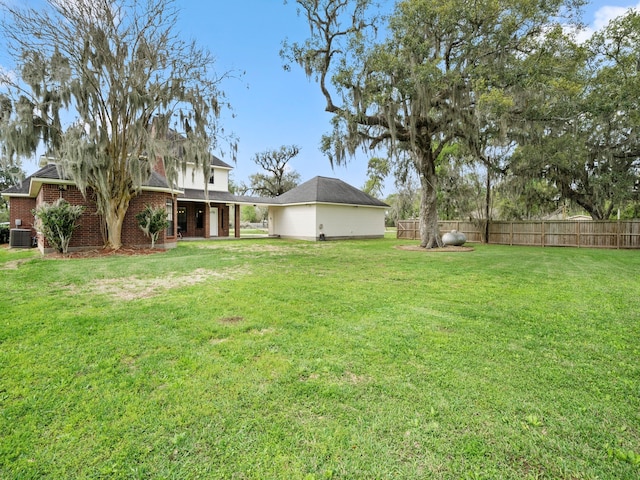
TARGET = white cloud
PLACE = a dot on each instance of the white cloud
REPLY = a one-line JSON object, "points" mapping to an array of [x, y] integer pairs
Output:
{"points": [[600, 19], [605, 14]]}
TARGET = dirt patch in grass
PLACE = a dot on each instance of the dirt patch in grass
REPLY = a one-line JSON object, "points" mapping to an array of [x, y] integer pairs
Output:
{"points": [[350, 377], [13, 264], [235, 319], [448, 248], [133, 288], [262, 332]]}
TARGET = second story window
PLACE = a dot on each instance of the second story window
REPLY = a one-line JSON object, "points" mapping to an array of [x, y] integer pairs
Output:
{"points": [[212, 178]]}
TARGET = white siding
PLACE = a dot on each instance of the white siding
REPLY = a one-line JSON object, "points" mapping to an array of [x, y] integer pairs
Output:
{"points": [[307, 222], [293, 221], [194, 178], [350, 221], [221, 180]]}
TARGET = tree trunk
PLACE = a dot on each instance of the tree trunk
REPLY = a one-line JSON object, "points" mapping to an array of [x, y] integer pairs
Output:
{"points": [[429, 231], [114, 218], [487, 207]]}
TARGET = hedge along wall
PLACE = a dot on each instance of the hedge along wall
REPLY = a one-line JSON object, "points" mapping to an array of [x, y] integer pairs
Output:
{"points": [[88, 234]]}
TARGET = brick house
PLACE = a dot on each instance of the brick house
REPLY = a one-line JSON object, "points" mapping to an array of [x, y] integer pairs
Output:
{"points": [[319, 209], [47, 185], [190, 211]]}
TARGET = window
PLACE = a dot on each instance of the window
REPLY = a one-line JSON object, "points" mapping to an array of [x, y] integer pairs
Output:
{"points": [[199, 218], [169, 206], [212, 178], [182, 220]]}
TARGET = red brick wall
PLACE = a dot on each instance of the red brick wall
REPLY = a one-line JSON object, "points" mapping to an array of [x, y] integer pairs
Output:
{"points": [[20, 208], [131, 233], [88, 234], [223, 220]]}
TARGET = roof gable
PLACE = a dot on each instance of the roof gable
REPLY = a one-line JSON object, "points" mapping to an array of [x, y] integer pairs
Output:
{"points": [[328, 190], [31, 185], [216, 162]]}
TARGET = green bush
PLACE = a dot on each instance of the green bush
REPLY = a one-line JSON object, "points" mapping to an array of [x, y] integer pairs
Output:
{"points": [[4, 234], [57, 222], [152, 220], [248, 214]]}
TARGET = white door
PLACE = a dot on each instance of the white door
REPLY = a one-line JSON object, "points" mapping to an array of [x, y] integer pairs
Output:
{"points": [[213, 222]]}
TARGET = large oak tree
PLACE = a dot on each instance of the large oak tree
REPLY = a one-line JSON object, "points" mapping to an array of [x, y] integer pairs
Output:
{"points": [[416, 89], [277, 178], [107, 86]]}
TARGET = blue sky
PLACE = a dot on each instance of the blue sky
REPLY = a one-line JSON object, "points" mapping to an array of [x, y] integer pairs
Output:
{"points": [[273, 107]]}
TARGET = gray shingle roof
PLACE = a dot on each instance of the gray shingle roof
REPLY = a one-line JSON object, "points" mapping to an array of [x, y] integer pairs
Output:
{"points": [[328, 190], [216, 162], [21, 189], [50, 173], [156, 180], [223, 197], [316, 190]]}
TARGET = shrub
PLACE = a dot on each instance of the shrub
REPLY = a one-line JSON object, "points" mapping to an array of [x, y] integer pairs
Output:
{"points": [[57, 222], [248, 214], [152, 220], [4, 234]]}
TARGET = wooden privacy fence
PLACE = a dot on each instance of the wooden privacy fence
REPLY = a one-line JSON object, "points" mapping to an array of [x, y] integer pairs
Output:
{"points": [[547, 233]]}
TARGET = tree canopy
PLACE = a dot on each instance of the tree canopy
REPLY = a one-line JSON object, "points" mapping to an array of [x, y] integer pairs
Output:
{"points": [[10, 175], [377, 170], [418, 88], [107, 87], [586, 141], [279, 178]]}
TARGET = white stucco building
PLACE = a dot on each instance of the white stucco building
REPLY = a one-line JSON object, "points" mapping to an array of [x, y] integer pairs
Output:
{"points": [[324, 209]]}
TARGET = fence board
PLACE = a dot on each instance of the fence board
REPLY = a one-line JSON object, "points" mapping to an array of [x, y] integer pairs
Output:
{"points": [[552, 233]]}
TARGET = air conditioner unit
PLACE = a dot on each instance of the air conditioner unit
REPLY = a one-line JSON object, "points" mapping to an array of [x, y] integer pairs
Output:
{"points": [[20, 238]]}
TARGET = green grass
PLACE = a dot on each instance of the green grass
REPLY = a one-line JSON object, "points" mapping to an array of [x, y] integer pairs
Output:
{"points": [[282, 359]]}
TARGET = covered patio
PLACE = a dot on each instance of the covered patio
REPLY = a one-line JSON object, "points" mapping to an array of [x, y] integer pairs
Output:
{"points": [[213, 217]]}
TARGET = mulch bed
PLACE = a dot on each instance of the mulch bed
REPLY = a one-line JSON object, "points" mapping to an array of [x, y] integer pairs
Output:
{"points": [[447, 249]]}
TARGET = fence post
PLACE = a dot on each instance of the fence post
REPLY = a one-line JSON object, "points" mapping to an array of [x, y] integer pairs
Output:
{"points": [[542, 237], [511, 234], [619, 234]]}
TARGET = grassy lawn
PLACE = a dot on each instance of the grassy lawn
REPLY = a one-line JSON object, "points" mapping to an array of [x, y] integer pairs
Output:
{"points": [[270, 359]]}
